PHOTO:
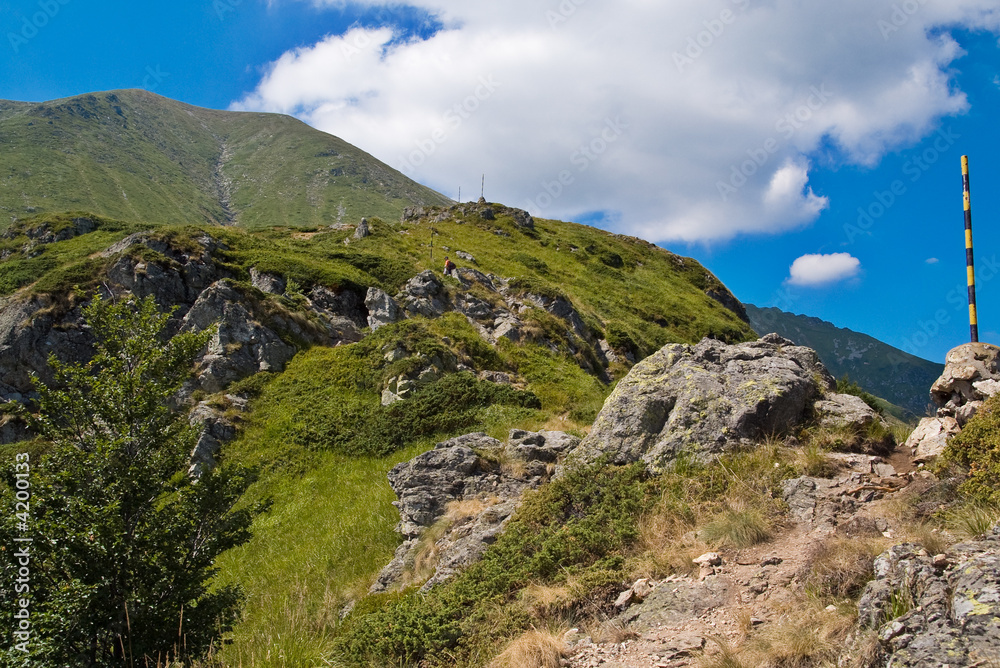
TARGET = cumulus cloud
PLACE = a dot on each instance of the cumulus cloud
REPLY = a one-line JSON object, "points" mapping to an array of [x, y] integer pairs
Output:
{"points": [[932, 260], [817, 270], [691, 120]]}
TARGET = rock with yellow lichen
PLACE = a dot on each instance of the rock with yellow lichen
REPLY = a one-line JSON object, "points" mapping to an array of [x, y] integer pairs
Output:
{"points": [[705, 399]]}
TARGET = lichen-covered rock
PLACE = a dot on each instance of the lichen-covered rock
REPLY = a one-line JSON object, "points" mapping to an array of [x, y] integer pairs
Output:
{"points": [[950, 605], [423, 295], [214, 430], [705, 399], [270, 283], [241, 345], [28, 335]]}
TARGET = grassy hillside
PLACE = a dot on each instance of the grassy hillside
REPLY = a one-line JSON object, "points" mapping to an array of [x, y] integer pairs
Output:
{"points": [[885, 371], [318, 431], [136, 156]]}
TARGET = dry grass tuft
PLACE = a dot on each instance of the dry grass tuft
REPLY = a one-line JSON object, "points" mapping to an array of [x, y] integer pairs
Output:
{"points": [[972, 521], [612, 631], [811, 460], [534, 649], [545, 601], [840, 567], [738, 525]]}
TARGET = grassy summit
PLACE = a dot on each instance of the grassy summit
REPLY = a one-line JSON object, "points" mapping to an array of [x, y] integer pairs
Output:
{"points": [[139, 157]]}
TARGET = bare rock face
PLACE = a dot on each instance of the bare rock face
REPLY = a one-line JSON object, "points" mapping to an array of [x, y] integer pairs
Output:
{"points": [[241, 345], [930, 437], [382, 309], [706, 399], [971, 375], [462, 483], [951, 603]]}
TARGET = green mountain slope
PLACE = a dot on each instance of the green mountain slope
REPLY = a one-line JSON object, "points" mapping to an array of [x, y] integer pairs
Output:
{"points": [[136, 156], [877, 367]]}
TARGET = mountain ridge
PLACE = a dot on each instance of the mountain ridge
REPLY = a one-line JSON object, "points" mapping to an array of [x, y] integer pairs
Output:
{"points": [[877, 367]]}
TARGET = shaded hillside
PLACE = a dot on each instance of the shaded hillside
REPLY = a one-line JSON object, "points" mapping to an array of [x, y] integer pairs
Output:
{"points": [[877, 367], [136, 156]]}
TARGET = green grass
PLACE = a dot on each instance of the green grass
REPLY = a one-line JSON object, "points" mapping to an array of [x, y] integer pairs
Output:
{"points": [[329, 531]]}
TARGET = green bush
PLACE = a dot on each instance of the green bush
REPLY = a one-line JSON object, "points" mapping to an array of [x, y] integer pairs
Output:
{"points": [[582, 522], [977, 448]]}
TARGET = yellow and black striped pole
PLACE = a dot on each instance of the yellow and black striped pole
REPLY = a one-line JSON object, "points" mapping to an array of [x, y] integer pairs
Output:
{"points": [[969, 266]]}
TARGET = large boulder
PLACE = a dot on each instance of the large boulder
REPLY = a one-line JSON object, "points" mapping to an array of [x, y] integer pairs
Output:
{"points": [[382, 309], [705, 399]]}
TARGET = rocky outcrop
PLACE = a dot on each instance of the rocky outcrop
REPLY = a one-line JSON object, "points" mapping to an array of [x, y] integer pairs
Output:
{"points": [[241, 346], [705, 399], [468, 487], [971, 375], [29, 334], [947, 605]]}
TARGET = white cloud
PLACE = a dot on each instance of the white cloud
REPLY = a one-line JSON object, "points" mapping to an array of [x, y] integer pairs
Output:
{"points": [[689, 120], [932, 260], [817, 270]]}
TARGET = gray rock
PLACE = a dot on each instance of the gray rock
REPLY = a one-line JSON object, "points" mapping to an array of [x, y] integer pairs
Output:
{"points": [[705, 399], [465, 469], [952, 603], [844, 410], [967, 372], [468, 257], [563, 309], [423, 295], [214, 430], [930, 437], [362, 230], [268, 283], [674, 603], [382, 309], [241, 346], [336, 305]]}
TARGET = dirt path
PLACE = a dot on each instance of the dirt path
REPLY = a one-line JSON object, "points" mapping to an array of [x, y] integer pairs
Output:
{"points": [[685, 618]]}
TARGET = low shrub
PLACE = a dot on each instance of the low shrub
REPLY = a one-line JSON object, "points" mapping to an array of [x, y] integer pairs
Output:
{"points": [[977, 449]]}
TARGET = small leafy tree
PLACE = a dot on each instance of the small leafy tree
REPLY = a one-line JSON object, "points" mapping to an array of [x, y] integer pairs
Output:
{"points": [[123, 539]]}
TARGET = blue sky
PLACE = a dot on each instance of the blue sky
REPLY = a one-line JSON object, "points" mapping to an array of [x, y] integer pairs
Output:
{"points": [[808, 153]]}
